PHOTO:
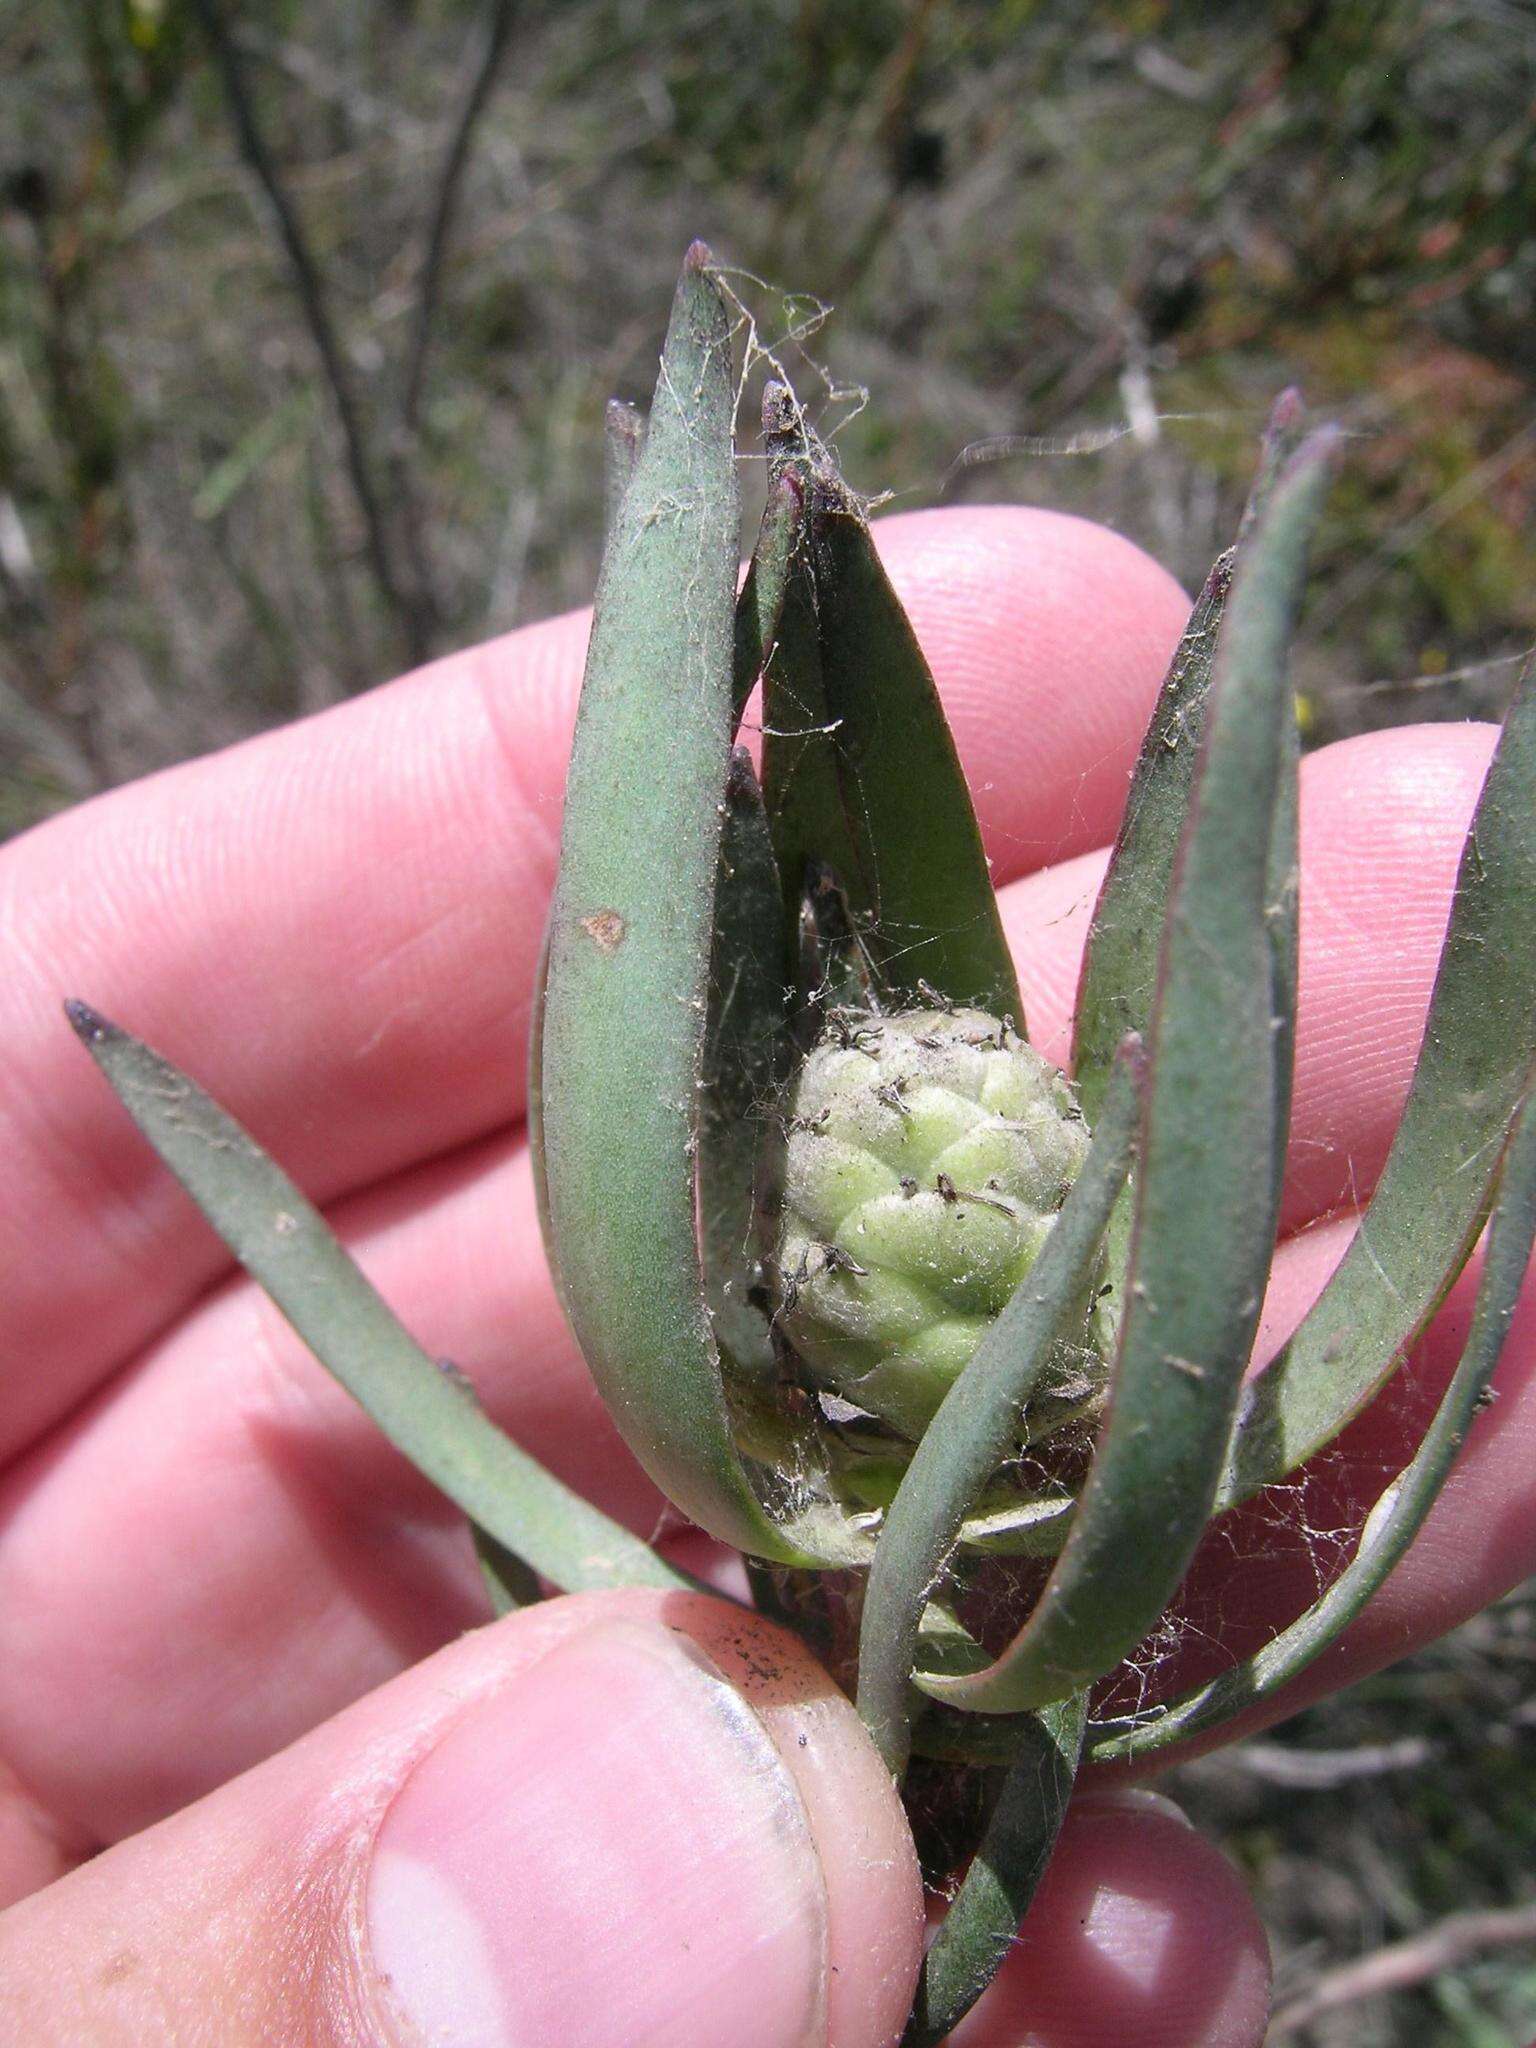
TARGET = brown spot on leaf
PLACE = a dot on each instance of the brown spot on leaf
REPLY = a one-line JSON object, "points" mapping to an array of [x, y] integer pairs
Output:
{"points": [[605, 928]]}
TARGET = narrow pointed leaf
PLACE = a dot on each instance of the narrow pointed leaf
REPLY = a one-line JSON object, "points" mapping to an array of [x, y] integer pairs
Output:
{"points": [[1118, 981], [1435, 1190], [982, 1923], [536, 1109], [802, 787], [1282, 916], [762, 594], [1282, 436], [746, 1054], [1401, 1511], [1206, 1185], [977, 1425], [507, 1580], [630, 939], [427, 1411], [860, 772]]}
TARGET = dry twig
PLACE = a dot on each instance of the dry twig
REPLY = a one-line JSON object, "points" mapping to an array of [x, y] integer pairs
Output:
{"points": [[1402, 1964], [406, 605], [476, 97]]}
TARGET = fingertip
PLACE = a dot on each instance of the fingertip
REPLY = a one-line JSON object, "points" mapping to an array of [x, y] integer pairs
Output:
{"points": [[669, 1825], [865, 1849], [1141, 1931]]}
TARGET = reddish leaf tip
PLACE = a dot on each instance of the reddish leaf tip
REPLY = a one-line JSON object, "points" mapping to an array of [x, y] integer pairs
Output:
{"points": [[1287, 411], [89, 1024]]}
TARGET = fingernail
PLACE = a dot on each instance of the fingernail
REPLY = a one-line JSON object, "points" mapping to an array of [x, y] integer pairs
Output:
{"points": [[610, 1849]]}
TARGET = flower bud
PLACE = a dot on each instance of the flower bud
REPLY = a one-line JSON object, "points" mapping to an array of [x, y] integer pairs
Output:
{"points": [[928, 1154]]}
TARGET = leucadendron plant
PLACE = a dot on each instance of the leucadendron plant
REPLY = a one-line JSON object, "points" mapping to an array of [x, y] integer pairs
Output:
{"points": [[951, 1347]]}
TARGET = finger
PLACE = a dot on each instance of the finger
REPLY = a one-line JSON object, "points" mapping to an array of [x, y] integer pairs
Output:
{"points": [[1382, 822], [1141, 1931], [335, 926], [34, 1848], [631, 1817], [285, 1500]]}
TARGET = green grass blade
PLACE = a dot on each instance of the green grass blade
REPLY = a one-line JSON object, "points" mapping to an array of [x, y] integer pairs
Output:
{"points": [[1402, 1509], [426, 1411], [982, 1924], [977, 1425], [860, 772], [630, 938], [746, 1053], [1435, 1190], [1118, 982], [1206, 1186]]}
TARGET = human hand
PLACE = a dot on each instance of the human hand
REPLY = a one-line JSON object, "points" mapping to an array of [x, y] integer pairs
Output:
{"points": [[207, 1552]]}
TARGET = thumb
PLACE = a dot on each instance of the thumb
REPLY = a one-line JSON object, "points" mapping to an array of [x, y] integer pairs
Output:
{"points": [[625, 1817]]}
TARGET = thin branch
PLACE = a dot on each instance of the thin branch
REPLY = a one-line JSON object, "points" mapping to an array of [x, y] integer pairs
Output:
{"points": [[1313, 1770], [1404, 1964], [450, 183], [306, 276]]}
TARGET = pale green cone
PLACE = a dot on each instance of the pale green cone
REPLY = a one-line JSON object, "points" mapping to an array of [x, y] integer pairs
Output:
{"points": [[928, 1154]]}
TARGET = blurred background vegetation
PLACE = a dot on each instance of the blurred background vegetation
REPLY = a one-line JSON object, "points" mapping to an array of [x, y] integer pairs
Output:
{"points": [[307, 316]]}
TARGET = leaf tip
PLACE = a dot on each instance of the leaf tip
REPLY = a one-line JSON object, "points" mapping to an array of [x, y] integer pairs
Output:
{"points": [[1319, 451], [89, 1025], [1287, 412]]}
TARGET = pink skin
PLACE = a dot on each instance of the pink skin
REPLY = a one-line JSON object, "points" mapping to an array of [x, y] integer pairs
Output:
{"points": [[334, 927]]}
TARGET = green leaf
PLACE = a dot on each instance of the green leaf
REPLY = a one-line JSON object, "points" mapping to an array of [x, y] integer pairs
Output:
{"points": [[1205, 1186], [747, 1049], [978, 1423], [507, 1580], [1402, 1509], [623, 438], [1118, 981], [1435, 1190], [860, 773], [536, 1108], [1281, 438], [762, 594], [982, 1923], [1282, 918], [802, 788], [631, 935], [427, 1411]]}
